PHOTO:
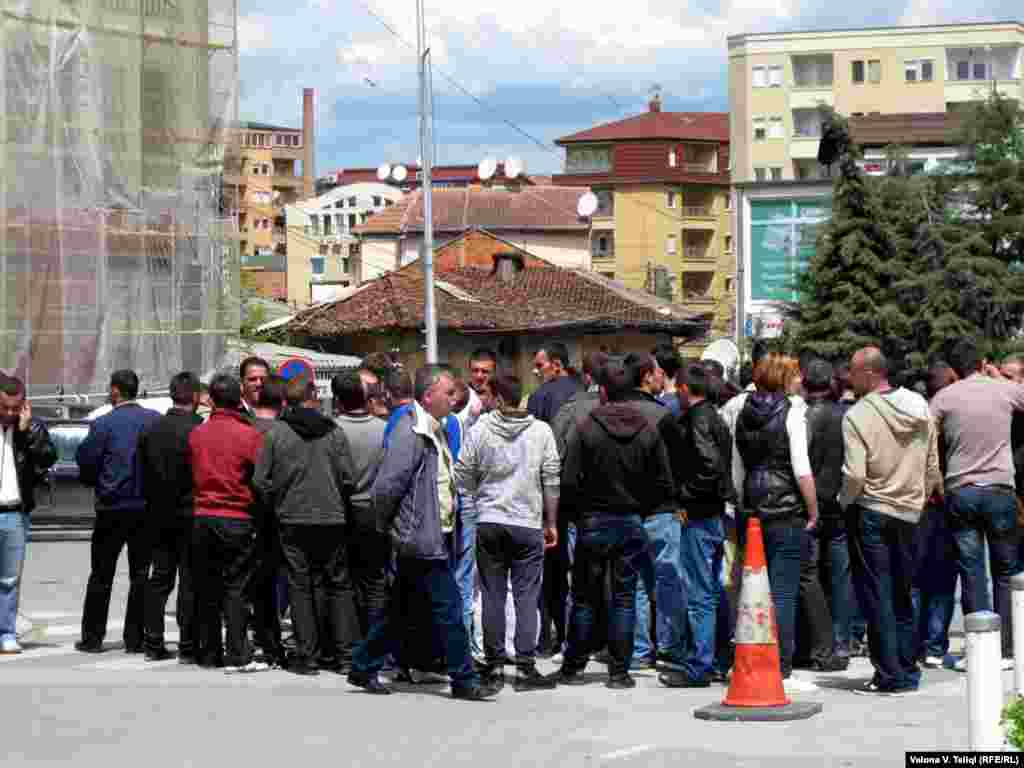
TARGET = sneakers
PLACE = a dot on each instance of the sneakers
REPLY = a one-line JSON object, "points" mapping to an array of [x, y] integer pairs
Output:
{"points": [[9, 646], [567, 677], [621, 682], [831, 664], [934, 662], [532, 680], [872, 689], [643, 665], [369, 683], [961, 664], [89, 646], [419, 677], [674, 678], [252, 666], [303, 669], [796, 685], [158, 654], [474, 693]]}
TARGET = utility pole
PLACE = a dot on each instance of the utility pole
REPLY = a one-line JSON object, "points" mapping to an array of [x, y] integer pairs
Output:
{"points": [[426, 152]]}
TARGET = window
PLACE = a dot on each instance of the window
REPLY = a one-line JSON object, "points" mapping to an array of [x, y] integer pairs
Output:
{"points": [[339, 222], [327, 225], [760, 131], [775, 76], [963, 70], [588, 160], [352, 202], [874, 71], [266, 169], [728, 284], [323, 250], [728, 202], [858, 71], [376, 201], [602, 245], [775, 129], [670, 245], [670, 200], [980, 70], [351, 220], [346, 266], [918, 70], [728, 243], [278, 139], [336, 250], [672, 158], [317, 265], [927, 67], [776, 173], [759, 174], [760, 77]]}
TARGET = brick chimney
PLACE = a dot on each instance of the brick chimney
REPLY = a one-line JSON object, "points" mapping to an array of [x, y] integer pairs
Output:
{"points": [[655, 103], [308, 144], [507, 264]]}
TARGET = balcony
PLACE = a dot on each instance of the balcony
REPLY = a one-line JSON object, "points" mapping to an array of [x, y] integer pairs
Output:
{"points": [[283, 181], [697, 211], [804, 148], [960, 91]]}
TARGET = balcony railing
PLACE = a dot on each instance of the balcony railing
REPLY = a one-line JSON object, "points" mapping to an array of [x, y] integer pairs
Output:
{"points": [[697, 211], [697, 253], [708, 167]]}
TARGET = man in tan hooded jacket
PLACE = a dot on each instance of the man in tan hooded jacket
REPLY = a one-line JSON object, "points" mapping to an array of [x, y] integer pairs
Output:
{"points": [[890, 469]]}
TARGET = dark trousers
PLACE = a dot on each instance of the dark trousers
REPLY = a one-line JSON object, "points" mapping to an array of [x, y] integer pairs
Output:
{"points": [[501, 551], [262, 589], [431, 584], [935, 575], [323, 600], [555, 591], [224, 558], [171, 557], [615, 545], [783, 549], [882, 554], [814, 620], [978, 515], [834, 569], [369, 556], [113, 531]]}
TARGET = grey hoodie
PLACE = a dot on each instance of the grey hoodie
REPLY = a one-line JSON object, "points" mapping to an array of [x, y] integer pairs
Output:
{"points": [[891, 460], [507, 465]]}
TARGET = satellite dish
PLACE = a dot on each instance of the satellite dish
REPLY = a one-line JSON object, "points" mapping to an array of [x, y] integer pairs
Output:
{"points": [[383, 172], [587, 204], [514, 167], [487, 168], [399, 173], [725, 352]]}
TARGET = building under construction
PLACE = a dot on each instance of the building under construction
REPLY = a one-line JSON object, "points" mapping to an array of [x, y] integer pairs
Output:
{"points": [[113, 248]]}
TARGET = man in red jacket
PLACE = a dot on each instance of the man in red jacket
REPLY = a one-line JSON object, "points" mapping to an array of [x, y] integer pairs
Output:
{"points": [[223, 454]]}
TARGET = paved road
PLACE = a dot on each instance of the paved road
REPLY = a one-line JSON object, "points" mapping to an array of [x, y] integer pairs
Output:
{"points": [[117, 709]]}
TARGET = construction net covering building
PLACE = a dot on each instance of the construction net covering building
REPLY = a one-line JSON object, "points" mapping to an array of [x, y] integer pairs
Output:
{"points": [[114, 250]]}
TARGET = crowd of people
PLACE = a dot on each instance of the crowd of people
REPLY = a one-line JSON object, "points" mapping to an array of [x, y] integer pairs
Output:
{"points": [[610, 504]]}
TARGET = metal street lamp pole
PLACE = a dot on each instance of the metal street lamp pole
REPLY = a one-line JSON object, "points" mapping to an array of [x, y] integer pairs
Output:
{"points": [[426, 153]]}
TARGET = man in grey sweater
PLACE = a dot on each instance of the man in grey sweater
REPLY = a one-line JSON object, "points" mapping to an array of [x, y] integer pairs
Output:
{"points": [[509, 473]]}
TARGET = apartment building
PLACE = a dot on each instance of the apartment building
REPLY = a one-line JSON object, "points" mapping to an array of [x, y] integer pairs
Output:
{"points": [[664, 219], [323, 251], [777, 83], [442, 177], [268, 167]]}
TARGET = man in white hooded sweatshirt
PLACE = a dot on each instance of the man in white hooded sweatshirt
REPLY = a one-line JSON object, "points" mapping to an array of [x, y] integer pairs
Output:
{"points": [[891, 468], [508, 474]]}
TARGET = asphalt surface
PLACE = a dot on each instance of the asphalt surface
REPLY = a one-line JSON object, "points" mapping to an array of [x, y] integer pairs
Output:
{"points": [[60, 707]]}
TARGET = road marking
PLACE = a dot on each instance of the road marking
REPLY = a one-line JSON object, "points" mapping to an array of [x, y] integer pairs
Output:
{"points": [[627, 752]]}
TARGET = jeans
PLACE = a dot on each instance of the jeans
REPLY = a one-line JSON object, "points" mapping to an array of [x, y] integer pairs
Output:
{"points": [[466, 569], [14, 527], [369, 557], [504, 550], [418, 583], [783, 545], [614, 545], [702, 545], [262, 589], [323, 599], [112, 532], [726, 573], [882, 554], [814, 636], [935, 575], [555, 591], [224, 557], [834, 570], [663, 536], [171, 556], [977, 515]]}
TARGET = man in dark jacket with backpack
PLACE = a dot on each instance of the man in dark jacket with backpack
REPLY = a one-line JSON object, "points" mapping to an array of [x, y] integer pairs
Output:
{"points": [[305, 474], [108, 461], [167, 487]]}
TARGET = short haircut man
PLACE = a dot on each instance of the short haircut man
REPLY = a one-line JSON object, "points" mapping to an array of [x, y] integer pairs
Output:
{"points": [[713, 367], [640, 365], [251, 362], [965, 358], [557, 352], [184, 389], [592, 365], [400, 387], [272, 396], [697, 380], [818, 375], [300, 391], [225, 391], [668, 359], [617, 379], [126, 382], [349, 391], [252, 374]]}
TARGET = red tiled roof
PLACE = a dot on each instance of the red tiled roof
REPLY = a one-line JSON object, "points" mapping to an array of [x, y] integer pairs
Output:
{"points": [[908, 129], [456, 210], [471, 299], [692, 126]]}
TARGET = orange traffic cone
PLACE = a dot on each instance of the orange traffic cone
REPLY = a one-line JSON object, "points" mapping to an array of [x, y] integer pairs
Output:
{"points": [[755, 689]]}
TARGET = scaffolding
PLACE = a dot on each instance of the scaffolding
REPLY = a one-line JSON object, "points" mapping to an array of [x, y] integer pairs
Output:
{"points": [[114, 249]]}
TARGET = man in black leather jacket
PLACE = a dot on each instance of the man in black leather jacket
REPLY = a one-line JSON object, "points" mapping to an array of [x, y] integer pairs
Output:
{"points": [[703, 468]]}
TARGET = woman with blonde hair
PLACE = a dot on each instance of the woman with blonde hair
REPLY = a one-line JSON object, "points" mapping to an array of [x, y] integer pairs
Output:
{"points": [[778, 486]]}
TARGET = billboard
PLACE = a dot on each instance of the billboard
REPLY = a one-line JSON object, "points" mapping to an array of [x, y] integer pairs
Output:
{"points": [[782, 242]]}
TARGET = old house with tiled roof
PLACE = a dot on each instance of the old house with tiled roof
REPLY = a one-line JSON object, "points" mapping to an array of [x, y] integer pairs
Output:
{"points": [[542, 220], [512, 305]]}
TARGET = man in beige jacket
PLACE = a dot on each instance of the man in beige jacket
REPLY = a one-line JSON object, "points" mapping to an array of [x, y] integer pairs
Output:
{"points": [[891, 468]]}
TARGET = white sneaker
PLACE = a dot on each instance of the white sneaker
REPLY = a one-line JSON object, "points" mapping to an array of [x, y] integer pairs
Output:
{"points": [[252, 666], [9, 646], [961, 664], [934, 662], [1007, 664], [796, 685]]}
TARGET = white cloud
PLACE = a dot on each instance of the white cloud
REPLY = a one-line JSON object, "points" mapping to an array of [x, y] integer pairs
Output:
{"points": [[255, 32]]}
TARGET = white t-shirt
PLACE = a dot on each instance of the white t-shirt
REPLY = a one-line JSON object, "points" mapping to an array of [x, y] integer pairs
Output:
{"points": [[10, 494]]}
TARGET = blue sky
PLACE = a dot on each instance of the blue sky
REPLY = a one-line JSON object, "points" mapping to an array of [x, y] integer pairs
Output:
{"points": [[552, 68]]}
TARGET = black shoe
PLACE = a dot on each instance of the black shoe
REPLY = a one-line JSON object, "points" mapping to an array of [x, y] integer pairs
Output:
{"points": [[831, 664], [474, 693], [89, 646], [492, 676], [674, 678], [305, 670], [214, 662], [621, 682], [369, 683], [532, 680], [568, 677], [158, 654], [134, 648], [187, 658]]}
